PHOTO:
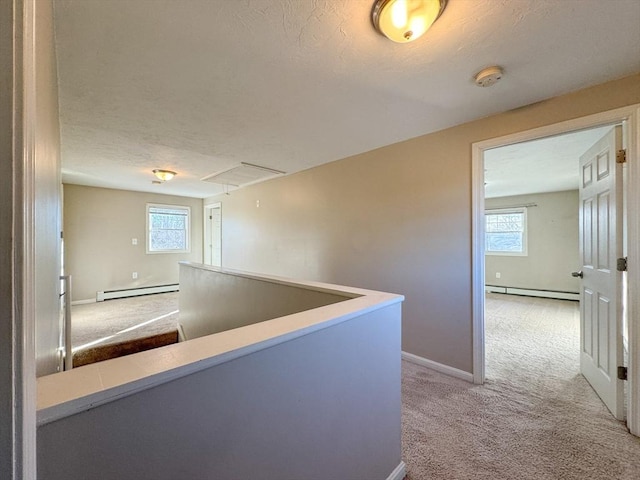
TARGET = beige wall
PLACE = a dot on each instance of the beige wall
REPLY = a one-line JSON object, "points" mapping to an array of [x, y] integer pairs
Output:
{"points": [[552, 245], [212, 301], [396, 219], [99, 224]]}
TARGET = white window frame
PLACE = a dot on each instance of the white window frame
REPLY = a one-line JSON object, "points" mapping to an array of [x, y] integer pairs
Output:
{"points": [[187, 228], [499, 211]]}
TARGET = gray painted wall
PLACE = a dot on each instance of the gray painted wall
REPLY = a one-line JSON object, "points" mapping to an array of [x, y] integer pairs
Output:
{"points": [[212, 302], [99, 224], [396, 219], [10, 286], [553, 248], [323, 406]]}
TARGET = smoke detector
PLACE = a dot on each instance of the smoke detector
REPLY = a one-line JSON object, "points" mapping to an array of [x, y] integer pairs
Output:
{"points": [[488, 76]]}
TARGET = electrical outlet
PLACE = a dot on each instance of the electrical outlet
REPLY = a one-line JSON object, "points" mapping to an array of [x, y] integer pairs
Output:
{"points": [[134, 275], [134, 241], [497, 274], [257, 203]]}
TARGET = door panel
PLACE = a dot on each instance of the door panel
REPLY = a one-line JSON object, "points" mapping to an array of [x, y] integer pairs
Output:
{"points": [[604, 221], [587, 247], [600, 246], [587, 315], [604, 307]]}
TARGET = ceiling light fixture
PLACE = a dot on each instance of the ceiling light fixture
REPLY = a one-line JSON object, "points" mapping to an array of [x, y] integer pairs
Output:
{"points": [[164, 175], [405, 20]]}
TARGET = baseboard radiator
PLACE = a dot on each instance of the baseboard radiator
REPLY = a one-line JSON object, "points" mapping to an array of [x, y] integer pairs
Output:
{"points": [[529, 292], [135, 292]]}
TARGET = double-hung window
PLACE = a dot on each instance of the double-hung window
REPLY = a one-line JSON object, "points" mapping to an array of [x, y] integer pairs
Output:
{"points": [[168, 228], [506, 232]]}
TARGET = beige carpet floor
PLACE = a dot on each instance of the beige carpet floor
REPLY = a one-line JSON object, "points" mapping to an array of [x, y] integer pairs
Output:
{"points": [[535, 418]]}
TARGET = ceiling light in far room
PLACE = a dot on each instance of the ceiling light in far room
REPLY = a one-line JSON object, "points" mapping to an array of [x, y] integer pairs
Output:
{"points": [[164, 175], [405, 20]]}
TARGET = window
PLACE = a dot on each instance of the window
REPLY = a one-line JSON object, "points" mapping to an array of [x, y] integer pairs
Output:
{"points": [[506, 232], [167, 228]]}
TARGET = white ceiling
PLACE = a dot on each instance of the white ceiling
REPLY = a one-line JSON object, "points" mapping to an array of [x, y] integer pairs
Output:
{"points": [[545, 165], [198, 86]]}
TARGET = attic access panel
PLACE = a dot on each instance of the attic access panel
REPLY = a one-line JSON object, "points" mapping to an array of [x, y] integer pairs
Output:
{"points": [[243, 174]]}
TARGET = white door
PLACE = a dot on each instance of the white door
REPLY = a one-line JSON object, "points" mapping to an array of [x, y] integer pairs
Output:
{"points": [[600, 292], [216, 237], [213, 235]]}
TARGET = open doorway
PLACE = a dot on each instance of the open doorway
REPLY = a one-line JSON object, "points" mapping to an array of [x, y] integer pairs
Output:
{"points": [[537, 240], [213, 234], [625, 117], [531, 214]]}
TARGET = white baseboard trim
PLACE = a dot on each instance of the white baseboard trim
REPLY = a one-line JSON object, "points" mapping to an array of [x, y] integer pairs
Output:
{"points": [[493, 289], [438, 367], [83, 302], [527, 292], [135, 292], [545, 294], [399, 472]]}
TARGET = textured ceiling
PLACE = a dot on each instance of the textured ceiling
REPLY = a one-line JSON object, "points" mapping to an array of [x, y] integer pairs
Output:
{"points": [[545, 165], [198, 86]]}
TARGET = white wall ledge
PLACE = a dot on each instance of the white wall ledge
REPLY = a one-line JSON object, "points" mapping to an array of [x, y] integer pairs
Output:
{"points": [[68, 393]]}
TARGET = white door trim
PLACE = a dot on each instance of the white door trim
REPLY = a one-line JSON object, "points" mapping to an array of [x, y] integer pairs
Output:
{"points": [[29, 124], [630, 117], [18, 348]]}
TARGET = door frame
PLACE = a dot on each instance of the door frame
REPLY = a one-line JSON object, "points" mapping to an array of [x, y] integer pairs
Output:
{"points": [[17, 348], [206, 254], [630, 118]]}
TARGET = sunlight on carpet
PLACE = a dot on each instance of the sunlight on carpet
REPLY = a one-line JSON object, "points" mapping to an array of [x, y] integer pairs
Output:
{"points": [[114, 321]]}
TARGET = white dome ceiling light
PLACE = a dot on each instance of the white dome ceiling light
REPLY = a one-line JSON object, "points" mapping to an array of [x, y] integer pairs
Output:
{"points": [[164, 175], [404, 21]]}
